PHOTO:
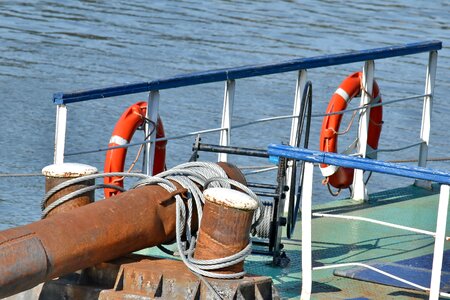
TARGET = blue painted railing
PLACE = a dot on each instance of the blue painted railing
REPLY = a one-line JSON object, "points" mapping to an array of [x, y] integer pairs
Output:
{"points": [[248, 71], [359, 163]]}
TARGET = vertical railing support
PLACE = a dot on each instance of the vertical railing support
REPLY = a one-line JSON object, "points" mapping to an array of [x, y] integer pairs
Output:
{"points": [[426, 116], [60, 133], [359, 188], [441, 226], [307, 186], [152, 115], [299, 89], [227, 112]]}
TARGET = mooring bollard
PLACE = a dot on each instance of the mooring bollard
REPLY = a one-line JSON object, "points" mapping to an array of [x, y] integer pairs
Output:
{"points": [[59, 173], [225, 226]]}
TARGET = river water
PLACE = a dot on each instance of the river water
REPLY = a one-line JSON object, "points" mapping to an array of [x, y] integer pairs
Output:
{"points": [[52, 46]]}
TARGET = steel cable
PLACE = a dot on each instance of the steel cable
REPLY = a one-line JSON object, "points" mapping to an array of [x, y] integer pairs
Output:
{"points": [[190, 176]]}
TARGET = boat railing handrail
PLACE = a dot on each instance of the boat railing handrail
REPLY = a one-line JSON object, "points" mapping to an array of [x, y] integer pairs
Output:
{"points": [[262, 120], [360, 163], [312, 157], [248, 71], [230, 75]]}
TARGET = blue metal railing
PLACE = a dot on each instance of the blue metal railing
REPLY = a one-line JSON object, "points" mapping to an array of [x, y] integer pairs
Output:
{"points": [[248, 71], [359, 163], [312, 157]]}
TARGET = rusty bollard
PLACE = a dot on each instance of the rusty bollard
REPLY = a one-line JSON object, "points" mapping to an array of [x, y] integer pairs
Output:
{"points": [[225, 226], [58, 173]]}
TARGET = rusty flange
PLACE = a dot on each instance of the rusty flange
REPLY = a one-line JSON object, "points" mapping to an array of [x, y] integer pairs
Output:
{"points": [[170, 279], [142, 278]]}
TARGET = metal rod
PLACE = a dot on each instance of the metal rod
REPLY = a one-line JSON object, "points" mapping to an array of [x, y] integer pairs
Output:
{"points": [[294, 195], [152, 115], [249, 71], [265, 194], [60, 133], [359, 190], [232, 150], [426, 115], [438, 252], [262, 185], [360, 163], [307, 231], [372, 105], [295, 134], [227, 114]]}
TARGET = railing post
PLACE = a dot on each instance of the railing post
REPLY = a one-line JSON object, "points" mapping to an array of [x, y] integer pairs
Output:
{"points": [[60, 133], [299, 88], [426, 116], [228, 101], [359, 188], [307, 186], [441, 226], [152, 115]]}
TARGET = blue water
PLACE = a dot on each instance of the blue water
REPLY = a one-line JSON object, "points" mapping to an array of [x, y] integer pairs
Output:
{"points": [[51, 46]]}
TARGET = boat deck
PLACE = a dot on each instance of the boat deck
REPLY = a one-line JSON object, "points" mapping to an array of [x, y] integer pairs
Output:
{"points": [[341, 241]]}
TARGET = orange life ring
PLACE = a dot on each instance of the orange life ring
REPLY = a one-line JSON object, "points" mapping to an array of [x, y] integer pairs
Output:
{"points": [[341, 177], [125, 127]]}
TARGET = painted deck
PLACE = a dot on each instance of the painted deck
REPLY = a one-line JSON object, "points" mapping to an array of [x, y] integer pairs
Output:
{"points": [[341, 241]]}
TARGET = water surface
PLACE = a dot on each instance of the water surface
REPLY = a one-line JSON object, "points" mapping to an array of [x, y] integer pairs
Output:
{"points": [[51, 46]]}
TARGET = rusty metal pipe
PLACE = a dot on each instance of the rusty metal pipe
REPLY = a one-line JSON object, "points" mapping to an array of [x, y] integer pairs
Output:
{"points": [[88, 235]]}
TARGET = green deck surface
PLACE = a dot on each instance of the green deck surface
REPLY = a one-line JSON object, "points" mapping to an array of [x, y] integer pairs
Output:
{"points": [[343, 241]]}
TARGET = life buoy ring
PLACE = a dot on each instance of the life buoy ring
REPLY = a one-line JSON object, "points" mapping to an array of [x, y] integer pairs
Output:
{"points": [[341, 177], [125, 127]]}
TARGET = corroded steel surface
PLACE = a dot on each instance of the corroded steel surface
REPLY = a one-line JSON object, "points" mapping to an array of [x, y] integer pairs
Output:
{"points": [[225, 230], [233, 172], [86, 236], [81, 200], [170, 279], [143, 278], [21, 252], [58, 173]]}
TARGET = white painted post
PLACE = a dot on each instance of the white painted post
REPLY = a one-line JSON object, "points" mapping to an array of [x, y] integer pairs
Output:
{"points": [[359, 188], [300, 86], [426, 116], [441, 225], [60, 133], [307, 188], [152, 115], [227, 112]]}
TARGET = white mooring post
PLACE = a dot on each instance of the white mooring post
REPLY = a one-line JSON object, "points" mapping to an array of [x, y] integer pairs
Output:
{"points": [[300, 86], [307, 269], [227, 112], [359, 188], [426, 116], [152, 115], [60, 133], [441, 226]]}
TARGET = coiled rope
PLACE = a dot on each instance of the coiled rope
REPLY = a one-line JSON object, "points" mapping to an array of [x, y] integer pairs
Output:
{"points": [[190, 176]]}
